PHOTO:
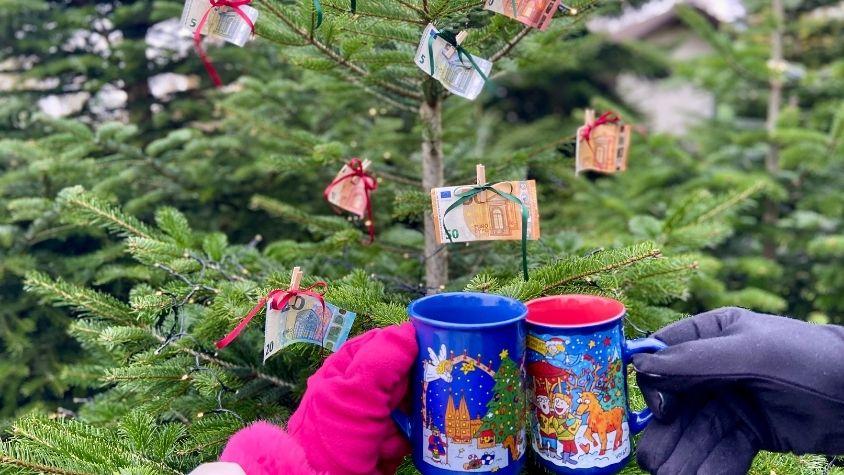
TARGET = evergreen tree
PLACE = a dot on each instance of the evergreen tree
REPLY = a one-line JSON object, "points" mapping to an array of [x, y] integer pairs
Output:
{"points": [[159, 398], [779, 121], [505, 414]]}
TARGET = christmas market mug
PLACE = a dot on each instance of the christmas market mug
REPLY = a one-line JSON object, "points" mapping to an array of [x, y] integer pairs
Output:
{"points": [[467, 390], [577, 385]]}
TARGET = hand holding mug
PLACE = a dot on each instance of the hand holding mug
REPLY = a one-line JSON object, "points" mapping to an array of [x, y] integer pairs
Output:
{"points": [[343, 424], [733, 382]]}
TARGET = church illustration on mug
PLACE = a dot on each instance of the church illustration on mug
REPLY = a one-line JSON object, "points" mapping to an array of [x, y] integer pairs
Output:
{"points": [[471, 412]]}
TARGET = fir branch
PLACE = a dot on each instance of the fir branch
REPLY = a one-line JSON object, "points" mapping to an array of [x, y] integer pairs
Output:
{"points": [[650, 254], [510, 44], [399, 178], [252, 371], [337, 58], [323, 225], [379, 36], [365, 14], [731, 202], [422, 13], [77, 200], [38, 468], [464, 8], [83, 300]]}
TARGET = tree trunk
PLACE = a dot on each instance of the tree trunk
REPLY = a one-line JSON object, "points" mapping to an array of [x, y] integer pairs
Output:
{"points": [[436, 261], [772, 160]]}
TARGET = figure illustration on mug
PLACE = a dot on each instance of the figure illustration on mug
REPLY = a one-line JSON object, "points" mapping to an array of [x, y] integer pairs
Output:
{"points": [[578, 397]]}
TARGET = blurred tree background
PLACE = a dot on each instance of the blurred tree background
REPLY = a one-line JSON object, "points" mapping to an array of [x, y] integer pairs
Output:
{"points": [[142, 212]]}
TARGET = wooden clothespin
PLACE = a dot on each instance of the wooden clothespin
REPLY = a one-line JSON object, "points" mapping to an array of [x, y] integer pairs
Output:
{"points": [[461, 37], [296, 278], [589, 116], [365, 164], [480, 172]]}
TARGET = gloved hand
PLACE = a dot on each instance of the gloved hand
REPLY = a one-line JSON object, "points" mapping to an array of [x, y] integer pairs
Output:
{"points": [[733, 382], [343, 424]]}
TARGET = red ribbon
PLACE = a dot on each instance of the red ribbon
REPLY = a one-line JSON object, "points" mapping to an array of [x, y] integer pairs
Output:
{"points": [[370, 184], [277, 298], [197, 35], [608, 117]]}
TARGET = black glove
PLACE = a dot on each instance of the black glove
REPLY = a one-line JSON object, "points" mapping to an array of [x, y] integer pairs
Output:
{"points": [[733, 382]]}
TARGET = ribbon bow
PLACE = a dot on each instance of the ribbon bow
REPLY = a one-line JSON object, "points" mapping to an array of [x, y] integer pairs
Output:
{"points": [[278, 299], [370, 184], [608, 117], [197, 35], [451, 39], [475, 190]]}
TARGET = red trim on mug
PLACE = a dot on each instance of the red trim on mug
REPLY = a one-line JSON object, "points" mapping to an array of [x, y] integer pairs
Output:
{"points": [[573, 311]]}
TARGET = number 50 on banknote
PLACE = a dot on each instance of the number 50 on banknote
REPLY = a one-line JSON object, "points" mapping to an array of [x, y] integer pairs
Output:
{"points": [[486, 216]]}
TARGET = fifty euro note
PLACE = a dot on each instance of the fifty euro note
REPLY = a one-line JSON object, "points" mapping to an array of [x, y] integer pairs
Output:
{"points": [[487, 216], [302, 320], [533, 13], [456, 74]]}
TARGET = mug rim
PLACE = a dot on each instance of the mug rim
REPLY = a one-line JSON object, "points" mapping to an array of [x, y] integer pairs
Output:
{"points": [[415, 315], [604, 321]]}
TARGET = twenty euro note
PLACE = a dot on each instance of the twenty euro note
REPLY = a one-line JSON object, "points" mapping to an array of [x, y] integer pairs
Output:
{"points": [[302, 320]]}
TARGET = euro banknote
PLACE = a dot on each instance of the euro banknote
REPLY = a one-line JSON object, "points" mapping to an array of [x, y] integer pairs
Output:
{"points": [[534, 13], [486, 216], [455, 73], [348, 194], [222, 22], [302, 320]]}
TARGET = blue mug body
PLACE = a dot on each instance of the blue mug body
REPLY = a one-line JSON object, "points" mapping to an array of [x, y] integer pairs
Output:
{"points": [[468, 399], [577, 384]]}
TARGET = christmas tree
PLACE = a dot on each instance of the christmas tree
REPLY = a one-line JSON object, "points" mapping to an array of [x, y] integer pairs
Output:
{"points": [[180, 231], [506, 410]]}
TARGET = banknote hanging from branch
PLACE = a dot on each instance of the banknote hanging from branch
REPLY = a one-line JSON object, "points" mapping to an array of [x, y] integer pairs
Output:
{"points": [[296, 315], [487, 211], [533, 13], [442, 57], [351, 191], [602, 144], [231, 20]]}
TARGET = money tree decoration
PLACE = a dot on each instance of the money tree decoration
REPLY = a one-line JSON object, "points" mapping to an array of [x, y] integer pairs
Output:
{"points": [[487, 211], [351, 191], [159, 377], [374, 49], [506, 410], [603, 143], [296, 315], [231, 20]]}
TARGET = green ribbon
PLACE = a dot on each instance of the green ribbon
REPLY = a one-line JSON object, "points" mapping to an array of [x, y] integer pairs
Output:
{"points": [[354, 5], [450, 39], [318, 10], [475, 190]]}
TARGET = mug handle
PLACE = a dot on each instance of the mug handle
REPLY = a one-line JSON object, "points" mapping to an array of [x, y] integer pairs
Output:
{"points": [[639, 420], [402, 422]]}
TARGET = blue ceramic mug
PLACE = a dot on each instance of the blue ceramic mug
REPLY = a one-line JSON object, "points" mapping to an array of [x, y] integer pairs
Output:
{"points": [[468, 400], [577, 385]]}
